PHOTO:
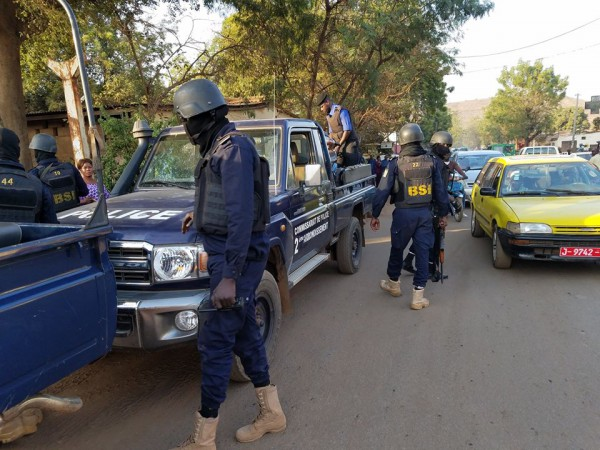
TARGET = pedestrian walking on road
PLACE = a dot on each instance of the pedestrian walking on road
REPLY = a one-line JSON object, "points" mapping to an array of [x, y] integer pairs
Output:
{"points": [[230, 179], [414, 182]]}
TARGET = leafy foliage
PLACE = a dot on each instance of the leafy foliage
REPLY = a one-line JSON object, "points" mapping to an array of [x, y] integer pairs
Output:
{"points": [[563, 119], [525, 106], [380, 59]]}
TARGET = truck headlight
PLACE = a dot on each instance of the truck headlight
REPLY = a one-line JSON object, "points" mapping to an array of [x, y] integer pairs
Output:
{"points": [[528, 227], [177, 262]]}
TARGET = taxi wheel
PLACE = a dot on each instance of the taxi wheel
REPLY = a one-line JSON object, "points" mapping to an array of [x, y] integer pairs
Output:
{"points": [[349, 248], [268, 318], [476, 230], [500, 258]]}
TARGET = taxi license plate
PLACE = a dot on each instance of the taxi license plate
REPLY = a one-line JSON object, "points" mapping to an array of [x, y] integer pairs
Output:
{"points": [[580, 252]]}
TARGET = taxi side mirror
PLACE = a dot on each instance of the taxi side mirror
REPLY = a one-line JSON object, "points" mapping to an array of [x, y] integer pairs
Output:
{"points": [[487, 191]]}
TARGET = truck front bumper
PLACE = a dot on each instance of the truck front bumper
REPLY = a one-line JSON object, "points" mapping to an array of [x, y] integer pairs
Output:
{"points": [[148, 320]]}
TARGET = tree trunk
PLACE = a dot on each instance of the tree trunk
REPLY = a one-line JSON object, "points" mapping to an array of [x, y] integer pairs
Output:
{"points": [[12, 103]]}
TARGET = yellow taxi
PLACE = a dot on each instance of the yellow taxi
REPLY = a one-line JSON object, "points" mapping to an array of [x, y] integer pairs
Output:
{"points": [[538, 208]]}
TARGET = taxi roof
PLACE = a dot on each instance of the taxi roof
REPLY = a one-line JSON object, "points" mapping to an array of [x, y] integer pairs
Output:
{"points": [[536, 159]]}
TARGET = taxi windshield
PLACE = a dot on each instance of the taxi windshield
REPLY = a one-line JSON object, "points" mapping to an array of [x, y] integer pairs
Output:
{"points": [[551, 179]]}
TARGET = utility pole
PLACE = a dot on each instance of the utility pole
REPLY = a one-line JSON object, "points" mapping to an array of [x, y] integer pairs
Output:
{"points": [[574, 124]]}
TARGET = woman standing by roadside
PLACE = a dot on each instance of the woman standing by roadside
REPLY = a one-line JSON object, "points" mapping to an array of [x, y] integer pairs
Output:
{"points": [[86, 169]]}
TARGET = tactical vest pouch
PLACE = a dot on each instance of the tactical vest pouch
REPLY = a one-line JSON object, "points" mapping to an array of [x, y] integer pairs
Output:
{"points": [[18, 205], [61, 180], [262, 204], [416, 177]]}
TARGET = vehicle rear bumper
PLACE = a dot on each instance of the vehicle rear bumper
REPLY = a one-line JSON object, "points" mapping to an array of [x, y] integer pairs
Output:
{"points": [[545, 247], [147, 319]]}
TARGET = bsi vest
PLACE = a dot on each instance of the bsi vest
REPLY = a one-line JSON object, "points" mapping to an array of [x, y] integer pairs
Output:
{"points": [[415, 177], [61, 179], [210, 214], [20, 196]]}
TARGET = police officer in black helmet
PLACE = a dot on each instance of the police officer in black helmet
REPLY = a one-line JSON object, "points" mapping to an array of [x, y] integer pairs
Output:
{"points": [[440, 142], [65, 181], [23, 198], [230, 214], [414, 181]]}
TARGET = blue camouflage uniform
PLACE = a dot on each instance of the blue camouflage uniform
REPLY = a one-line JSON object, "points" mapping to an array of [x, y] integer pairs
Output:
{"points": [[411, 222], [240, 254]]}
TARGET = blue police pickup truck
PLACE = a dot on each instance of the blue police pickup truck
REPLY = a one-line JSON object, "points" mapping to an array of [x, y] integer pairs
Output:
{"points": [[316, 215], [58, 313]]}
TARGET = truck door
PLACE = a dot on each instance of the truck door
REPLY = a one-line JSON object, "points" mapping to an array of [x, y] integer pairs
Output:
{"points": [[309, 212]]}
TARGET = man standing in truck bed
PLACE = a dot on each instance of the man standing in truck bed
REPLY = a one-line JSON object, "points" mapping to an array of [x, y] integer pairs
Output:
{"points": [[341, 130], [230, 213]]}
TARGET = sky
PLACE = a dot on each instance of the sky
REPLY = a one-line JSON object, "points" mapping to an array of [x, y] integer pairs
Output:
{"points": [[571, 29]]}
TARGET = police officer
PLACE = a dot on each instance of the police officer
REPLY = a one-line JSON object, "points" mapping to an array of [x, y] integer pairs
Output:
{"points": [[414, 181], [440, 142], [65, 181], [341, 131], [231, 212], [23, 198]]}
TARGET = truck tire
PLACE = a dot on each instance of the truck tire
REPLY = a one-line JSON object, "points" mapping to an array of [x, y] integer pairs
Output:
{"points": [[349, 248], [268, 317]]}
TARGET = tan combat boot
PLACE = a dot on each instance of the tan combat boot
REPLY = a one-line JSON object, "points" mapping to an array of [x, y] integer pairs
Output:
{"points": [[418, 301], [203, 437], [270, 419], [393, 287]]}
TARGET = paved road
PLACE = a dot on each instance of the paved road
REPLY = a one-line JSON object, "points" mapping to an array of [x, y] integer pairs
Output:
{"points": [[500, 360]]}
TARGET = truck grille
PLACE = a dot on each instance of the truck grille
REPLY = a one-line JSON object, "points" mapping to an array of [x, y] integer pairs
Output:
{"points": [[131, 261]]}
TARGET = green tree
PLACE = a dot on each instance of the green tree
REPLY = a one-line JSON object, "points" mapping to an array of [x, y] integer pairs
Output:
{"points": [[525, 105], [563, 119], [380, 59], [596, 124]]}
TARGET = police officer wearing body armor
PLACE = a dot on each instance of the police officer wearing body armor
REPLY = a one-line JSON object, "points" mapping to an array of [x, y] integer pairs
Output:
{"points": [[414, 181], [440, 142], [341, 131], [65, 181], [231, 212], [23, 198]]}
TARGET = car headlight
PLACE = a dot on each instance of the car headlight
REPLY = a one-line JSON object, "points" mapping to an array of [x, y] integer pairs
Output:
{"points": [[177, 262], [528, 227]]}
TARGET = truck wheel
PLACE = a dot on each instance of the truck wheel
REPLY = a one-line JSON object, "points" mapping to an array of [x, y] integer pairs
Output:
{"points": [[268, 318], [349, 248], [500, 258]]}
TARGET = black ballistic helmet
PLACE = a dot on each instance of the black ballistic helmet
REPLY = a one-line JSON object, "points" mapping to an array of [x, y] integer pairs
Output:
{"points": [[321, 98], [441, 137], [196, 97], [9, 145], [43, 142], [411, 132]]}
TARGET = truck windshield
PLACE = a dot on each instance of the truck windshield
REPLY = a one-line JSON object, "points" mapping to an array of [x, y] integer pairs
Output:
{"points": [[174, 159]]}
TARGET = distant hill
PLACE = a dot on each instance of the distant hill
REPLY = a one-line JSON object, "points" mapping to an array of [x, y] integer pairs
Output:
{"points": [[469, 110]]}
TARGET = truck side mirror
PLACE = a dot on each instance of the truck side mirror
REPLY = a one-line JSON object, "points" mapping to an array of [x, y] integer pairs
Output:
{"points": [[312, 175]]}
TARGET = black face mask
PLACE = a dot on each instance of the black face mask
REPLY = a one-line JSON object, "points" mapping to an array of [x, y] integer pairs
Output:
{"points": [[198, 129]]}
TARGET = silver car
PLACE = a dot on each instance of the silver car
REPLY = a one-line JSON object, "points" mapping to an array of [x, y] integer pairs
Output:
{"points": [[472, 161]]}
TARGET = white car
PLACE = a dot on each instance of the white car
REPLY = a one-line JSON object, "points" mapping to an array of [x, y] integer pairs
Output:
{"points": [[471, 162]]}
